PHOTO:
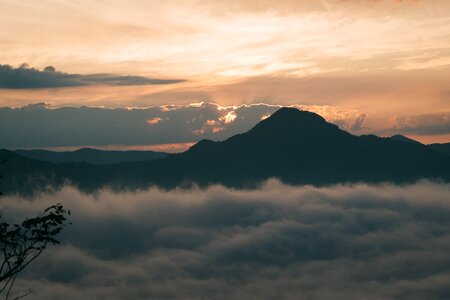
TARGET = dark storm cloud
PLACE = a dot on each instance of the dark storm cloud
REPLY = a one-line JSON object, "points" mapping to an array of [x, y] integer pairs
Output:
{"points": [[427, 124], [41, 126], [279, 242], [24, 77]]}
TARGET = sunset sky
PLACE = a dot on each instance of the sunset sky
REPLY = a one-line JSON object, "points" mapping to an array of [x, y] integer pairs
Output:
{"points": [[379, 67], [259, 201]]}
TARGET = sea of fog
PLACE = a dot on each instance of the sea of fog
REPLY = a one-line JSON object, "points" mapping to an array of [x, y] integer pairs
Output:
{"points": [[277, 242]]}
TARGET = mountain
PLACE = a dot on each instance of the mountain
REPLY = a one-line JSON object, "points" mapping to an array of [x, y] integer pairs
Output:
{"points": [[402, 138], [297, 147], [92, 156], [26, 176], [441, 148], [300, 147]]}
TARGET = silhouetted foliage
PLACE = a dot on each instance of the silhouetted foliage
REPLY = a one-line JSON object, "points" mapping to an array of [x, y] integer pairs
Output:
{"points": [[21, 244], [1, 176]]}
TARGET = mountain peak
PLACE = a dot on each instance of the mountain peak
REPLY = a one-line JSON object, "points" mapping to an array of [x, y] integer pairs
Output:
{"points": [[404, 139], [290, 120], [294, 114]]}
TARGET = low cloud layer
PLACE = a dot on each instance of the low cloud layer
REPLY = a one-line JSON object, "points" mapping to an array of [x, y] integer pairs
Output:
{"points": [[25, 77], [341, 242]]}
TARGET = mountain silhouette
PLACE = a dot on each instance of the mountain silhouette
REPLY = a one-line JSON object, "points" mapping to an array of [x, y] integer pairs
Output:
{"points": [[402, 138], [297, 147], [300, 147], [92, 156], [441, 148]]}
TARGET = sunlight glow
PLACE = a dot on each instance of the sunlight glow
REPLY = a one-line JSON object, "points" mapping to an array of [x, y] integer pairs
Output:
{"points": [[154, 121], [229, 117]]}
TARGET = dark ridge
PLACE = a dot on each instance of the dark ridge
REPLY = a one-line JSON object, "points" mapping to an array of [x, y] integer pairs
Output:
{"points": [[297, 147], [404, 139], [92, 156], [441, 148]]}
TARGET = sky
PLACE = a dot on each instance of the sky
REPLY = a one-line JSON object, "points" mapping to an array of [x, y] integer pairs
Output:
{"points": [[380, 67], [162, 75]]}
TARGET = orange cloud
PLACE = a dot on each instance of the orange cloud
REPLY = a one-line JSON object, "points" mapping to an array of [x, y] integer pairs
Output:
{"points": [[154, 121], [229, 117], [198, 131]]}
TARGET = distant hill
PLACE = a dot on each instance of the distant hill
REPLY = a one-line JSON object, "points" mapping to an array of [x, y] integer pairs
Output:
{"points": [[402, 138], [441, 148], [297, 147], [92, 156]]}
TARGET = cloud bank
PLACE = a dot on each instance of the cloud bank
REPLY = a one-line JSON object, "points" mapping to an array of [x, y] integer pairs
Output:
{"points": [[424, 124], [24, 77], [283, 242], [41, 126]]}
